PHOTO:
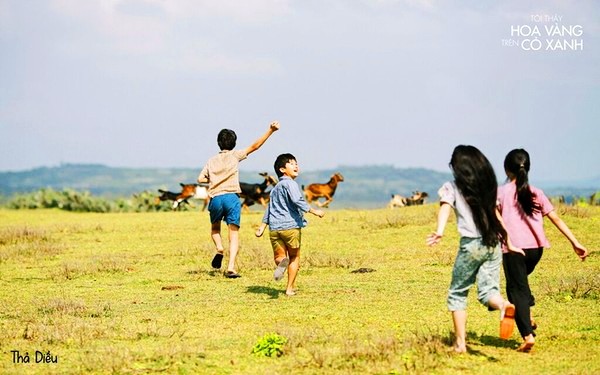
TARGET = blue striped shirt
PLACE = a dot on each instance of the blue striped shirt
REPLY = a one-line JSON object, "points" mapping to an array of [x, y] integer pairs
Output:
{"points": [[286, 207]]}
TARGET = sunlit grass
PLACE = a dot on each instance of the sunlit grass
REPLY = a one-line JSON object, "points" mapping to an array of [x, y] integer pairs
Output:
{"points": [[128, 293]]}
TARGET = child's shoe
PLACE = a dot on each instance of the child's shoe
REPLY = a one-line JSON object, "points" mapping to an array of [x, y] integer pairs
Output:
{"points": [[232, 275], [527, 345], [217, 261], [507, 320], [280, 270]]}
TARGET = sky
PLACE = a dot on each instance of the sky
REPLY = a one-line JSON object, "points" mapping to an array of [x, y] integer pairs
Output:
{"points": [[149, 83]]}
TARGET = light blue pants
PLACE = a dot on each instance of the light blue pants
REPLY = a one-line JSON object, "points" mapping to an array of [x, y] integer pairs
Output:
{"points": [[474, 263]]}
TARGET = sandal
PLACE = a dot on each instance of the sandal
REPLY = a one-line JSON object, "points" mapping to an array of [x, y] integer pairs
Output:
{"points": [[231, 275], [507, 321], [280, 270], [217, 261], [526, 347]]}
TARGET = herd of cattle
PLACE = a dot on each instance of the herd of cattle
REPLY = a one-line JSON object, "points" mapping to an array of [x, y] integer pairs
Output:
{"points": [[259, 193]]}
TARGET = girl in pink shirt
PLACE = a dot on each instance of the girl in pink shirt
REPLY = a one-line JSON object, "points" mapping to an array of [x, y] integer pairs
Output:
{"points": [[523, 208]]}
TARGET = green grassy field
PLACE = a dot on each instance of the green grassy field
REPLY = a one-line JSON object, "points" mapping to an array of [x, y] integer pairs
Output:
{"points": [[134, 293]]}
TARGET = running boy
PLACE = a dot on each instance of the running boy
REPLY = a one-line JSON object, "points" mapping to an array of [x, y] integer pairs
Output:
{"points": [[284, 216], [221, 173]]}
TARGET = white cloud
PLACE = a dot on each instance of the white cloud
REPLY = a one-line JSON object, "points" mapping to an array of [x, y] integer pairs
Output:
{"points": [[122, 31], [137, 28]]}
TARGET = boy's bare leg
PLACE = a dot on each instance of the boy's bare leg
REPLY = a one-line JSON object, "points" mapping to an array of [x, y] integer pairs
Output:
{"points": [[459, 318], [279, 255], [234, 243], [293, 268], [215, 234]]}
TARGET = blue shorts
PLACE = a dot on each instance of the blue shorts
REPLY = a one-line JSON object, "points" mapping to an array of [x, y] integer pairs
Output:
{"points": [[474, 263], [225, 207]]}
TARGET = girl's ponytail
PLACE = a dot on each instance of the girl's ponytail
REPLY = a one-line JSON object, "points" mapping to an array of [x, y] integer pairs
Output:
{"points": [[517, 164]]}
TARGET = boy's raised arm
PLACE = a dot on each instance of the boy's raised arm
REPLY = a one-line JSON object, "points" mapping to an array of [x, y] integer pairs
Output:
{"points": [[273, 127]]}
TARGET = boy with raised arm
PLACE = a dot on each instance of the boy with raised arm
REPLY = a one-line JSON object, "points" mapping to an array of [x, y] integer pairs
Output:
{"points": [[222, 174]]}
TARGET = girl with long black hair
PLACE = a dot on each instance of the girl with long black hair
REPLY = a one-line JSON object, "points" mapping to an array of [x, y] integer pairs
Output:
{"points": [[472, 195]]}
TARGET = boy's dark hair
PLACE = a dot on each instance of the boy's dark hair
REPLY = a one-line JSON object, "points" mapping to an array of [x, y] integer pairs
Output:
{"points": [[281, 161], [517, 164], [475, 178], [226, 139]]}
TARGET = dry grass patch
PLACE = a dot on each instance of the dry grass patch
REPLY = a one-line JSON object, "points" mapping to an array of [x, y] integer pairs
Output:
{"points": [[418, 352], [24, 242], [570, 286], [71, 270], [574, 211]]}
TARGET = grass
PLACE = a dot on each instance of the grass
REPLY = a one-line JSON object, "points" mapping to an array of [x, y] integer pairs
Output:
{"points": [[134, 293]]}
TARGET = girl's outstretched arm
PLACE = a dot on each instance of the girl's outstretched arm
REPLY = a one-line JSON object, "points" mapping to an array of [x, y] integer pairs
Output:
{"points": [[579, 249], [443, 216]]}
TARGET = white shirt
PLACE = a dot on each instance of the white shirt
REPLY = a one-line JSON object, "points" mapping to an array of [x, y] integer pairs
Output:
{"points": [[450, 194]]}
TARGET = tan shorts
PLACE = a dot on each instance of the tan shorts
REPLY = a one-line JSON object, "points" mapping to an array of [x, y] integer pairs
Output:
{"points": [[286, 239]]}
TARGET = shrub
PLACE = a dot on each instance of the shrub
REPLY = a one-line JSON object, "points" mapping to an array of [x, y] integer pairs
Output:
{"points": [[71, 200], [270, 345], [68, 200]]}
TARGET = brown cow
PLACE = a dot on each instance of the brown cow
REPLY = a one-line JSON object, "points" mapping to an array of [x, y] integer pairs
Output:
{"points": [[188, 191], [315, 191], [194, 191]]}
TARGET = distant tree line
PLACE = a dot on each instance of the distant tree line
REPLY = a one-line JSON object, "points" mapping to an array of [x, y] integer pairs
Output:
{"points": [[76, 201], [145, 201]]}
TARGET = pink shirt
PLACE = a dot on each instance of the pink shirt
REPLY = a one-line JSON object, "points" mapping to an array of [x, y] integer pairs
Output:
{"points": [[525, 232]]}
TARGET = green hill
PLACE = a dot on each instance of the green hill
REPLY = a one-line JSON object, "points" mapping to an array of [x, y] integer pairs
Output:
{"points": [[363, 187], [369, 186]]}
